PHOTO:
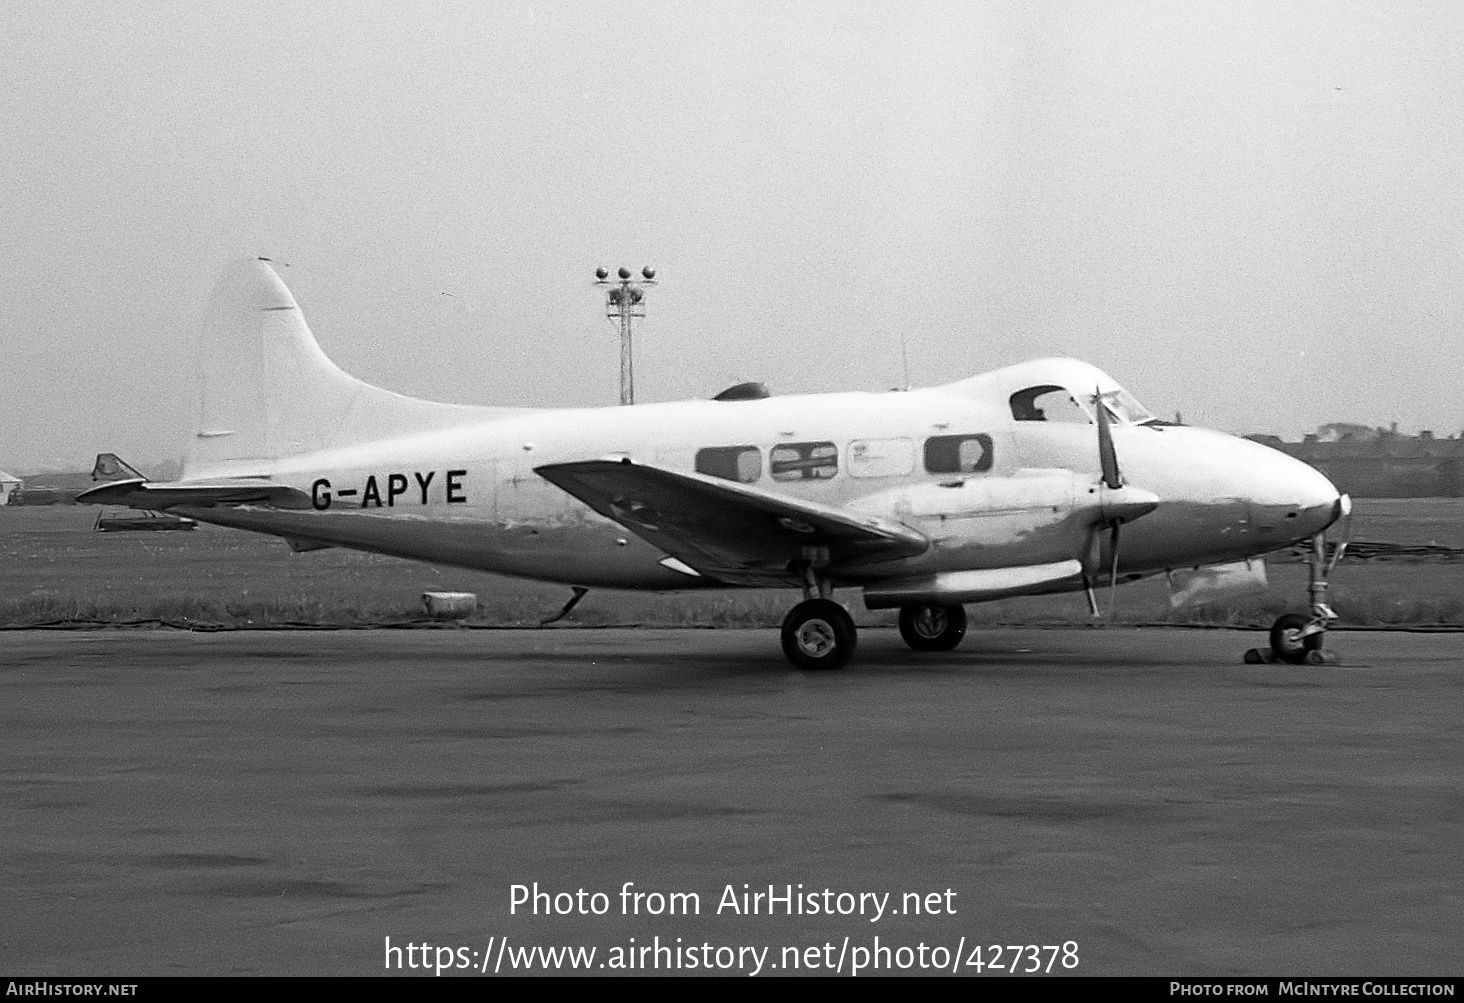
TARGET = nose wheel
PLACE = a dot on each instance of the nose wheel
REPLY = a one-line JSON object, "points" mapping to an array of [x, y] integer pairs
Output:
{"points": [[1297, 639], [1290, 641]]}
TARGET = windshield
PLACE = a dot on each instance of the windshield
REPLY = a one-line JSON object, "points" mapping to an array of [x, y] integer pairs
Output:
{"points": [[1050, 402], [1125, 407]]}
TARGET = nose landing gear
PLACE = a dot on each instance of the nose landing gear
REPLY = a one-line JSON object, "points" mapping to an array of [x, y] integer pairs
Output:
{"points": [[1297, 639]]}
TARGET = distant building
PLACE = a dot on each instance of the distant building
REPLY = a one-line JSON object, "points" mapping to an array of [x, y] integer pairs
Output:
{"points": [[1379, 463], [9, 484], [1342, 431]]}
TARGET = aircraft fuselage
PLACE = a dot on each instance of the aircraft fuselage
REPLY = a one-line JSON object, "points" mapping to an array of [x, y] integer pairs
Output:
{"points": [[470, 497]]}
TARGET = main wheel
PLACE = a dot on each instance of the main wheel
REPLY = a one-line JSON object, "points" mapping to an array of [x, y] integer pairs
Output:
{"points": [[932, 628], [819, 634], [1287, 644]]}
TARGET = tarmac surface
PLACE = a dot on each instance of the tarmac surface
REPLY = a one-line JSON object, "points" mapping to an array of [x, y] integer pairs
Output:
{"points": [[1137, 801]]}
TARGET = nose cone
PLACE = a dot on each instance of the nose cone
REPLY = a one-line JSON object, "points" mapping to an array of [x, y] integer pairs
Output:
{"points": [[1222, 498], [1288, 497]]}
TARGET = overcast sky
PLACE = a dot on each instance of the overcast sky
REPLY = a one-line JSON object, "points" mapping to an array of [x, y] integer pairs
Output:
{"points": [[1247, 212]]}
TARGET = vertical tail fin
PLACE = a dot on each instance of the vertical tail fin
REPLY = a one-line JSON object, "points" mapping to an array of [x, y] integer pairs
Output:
{"points": [[269, 392]]}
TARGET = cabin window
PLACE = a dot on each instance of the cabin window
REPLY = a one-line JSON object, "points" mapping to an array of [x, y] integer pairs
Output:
{"points": [[958, 454], [731, 463], [881, 457], [1048, 403], [804, 461]]}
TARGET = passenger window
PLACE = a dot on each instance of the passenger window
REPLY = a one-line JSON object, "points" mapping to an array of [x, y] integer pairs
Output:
{"points": [[731, 463], [804, 461], [958, 454], [1048, 403], [881, 457]]}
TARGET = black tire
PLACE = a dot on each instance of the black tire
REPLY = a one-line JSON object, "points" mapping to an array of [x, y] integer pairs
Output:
{"points": [[932, 628], [819, 634], [1286, 645]]}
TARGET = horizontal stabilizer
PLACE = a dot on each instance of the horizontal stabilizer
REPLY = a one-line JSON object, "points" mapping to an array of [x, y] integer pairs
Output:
{"points": [[137, 493], [729, 531]]}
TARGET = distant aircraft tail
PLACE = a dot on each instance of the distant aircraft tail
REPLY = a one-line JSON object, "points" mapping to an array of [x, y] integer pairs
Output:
{"points": [[111, 467], [268, 391]]}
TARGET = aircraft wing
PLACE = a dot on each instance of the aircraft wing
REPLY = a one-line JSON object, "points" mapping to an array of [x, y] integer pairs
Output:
{"points": [[137, 492], [725, 530]]}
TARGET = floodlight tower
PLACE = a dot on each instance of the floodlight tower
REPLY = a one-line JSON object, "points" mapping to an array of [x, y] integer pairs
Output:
{"points": [[624, 302]]}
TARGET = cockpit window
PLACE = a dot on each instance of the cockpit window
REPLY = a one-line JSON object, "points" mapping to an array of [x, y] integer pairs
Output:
{"points": [[1054, 403], [1123, 406], [1048, 403]]}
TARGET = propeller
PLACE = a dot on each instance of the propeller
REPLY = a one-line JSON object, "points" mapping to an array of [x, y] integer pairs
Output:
{"points": [[1117, 504], [1107, 456]]}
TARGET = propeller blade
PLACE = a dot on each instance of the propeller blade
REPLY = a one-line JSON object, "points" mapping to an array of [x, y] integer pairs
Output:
{"points": [[1113, 572], [1118, 504], [1107, 456]]}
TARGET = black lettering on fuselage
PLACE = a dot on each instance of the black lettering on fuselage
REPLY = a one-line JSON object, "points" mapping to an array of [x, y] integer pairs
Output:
{"points": [[395, 484], [454, 489]]}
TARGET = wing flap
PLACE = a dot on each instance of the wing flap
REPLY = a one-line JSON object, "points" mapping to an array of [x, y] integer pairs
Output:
{"points": [[725, 530]]}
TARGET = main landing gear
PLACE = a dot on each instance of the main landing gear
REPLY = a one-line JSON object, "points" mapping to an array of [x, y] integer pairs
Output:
{"points": [[1297, 639], [818, 633], [932, 628]]}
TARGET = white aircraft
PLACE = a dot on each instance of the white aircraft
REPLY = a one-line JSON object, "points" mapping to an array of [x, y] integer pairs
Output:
{"points": [[1014, 482]]}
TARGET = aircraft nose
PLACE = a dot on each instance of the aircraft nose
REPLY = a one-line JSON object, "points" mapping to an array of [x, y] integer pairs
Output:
{"points": [[1293, 496]]}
